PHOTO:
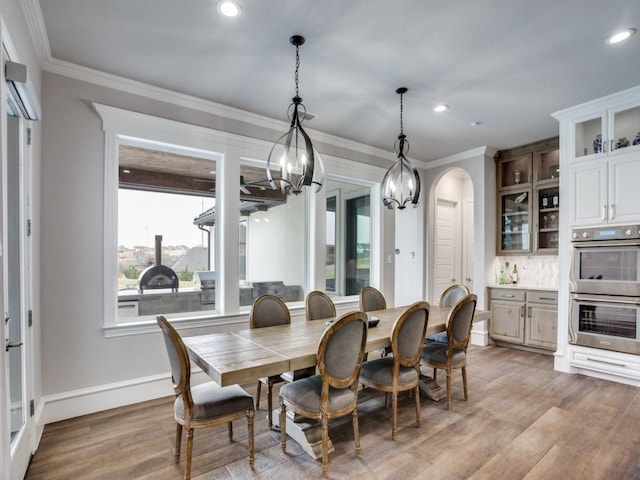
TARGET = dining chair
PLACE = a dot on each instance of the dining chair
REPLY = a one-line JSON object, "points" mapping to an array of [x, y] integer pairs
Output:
{"points": [[453, 354], [371, 299], [333, 392], [401, 371], [204, 405], [318, 306], [268, 310], [448, 299]]}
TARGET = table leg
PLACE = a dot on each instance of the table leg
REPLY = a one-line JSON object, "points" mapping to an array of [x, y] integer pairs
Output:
{"points": [[430, 388], [308, 433]]}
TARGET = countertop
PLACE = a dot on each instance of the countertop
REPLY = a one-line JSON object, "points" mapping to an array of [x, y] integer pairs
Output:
{"points": [[522, 286]]}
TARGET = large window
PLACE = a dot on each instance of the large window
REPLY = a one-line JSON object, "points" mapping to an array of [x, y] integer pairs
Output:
{"points": [[166, 216], [194, 200], [273, 252]]}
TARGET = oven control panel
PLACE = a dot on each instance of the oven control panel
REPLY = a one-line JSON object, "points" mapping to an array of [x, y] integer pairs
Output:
{"points": [[620, 232]]}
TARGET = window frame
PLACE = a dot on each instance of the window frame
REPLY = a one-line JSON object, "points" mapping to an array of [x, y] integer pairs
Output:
{"points": [[234, 149]]}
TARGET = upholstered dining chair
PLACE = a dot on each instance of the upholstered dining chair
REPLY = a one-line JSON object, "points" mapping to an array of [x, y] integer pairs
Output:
{"points": [[371, 299], [449, 298], [453, 354], [204, 405], [334, 391], [318, 306], [268, 310], [400, 371]]}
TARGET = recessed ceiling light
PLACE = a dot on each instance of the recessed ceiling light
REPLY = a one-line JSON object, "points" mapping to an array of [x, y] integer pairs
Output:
{"points": [[440, 108], [228, 8], [620, 36]]}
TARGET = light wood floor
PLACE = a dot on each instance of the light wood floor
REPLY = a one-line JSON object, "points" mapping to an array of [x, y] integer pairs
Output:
{"points": [[523, 420]]}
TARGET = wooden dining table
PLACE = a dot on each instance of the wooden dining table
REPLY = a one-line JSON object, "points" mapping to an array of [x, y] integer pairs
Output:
{"points": [[247, 355]]}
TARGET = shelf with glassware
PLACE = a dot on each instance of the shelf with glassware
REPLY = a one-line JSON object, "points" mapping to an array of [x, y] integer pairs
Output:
{"points": [[548, 216], [527, 225], [515, 221]]}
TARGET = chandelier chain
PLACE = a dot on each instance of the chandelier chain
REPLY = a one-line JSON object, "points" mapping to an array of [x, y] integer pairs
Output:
{"points": [[297, 68], [401, 111]]}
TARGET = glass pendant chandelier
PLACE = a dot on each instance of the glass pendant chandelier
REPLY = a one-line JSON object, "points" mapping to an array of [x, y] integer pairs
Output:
{"points": [[298, 161], [401, 183]]}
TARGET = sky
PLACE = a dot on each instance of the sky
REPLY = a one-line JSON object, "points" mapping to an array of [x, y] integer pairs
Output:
{"points": [[143, 215]]}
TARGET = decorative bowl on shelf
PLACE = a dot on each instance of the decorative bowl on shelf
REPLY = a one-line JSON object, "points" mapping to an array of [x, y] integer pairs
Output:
{"points": [[622, 142]]}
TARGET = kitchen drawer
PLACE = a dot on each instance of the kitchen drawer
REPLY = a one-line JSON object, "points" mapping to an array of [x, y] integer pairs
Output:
{"points": [[507, 294], [542, 297]]}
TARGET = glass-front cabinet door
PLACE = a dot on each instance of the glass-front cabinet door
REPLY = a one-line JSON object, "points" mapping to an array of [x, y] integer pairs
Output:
{"points": [[515, 216], [548, 201], [624, 125], [589, 139], [515, 172]]}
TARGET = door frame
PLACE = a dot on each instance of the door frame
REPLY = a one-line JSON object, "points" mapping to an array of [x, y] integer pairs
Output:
{"points": [[15, 461]]}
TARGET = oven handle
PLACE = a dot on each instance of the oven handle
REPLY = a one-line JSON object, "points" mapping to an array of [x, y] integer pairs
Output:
{"points": [[575, 298], [598, 243]]}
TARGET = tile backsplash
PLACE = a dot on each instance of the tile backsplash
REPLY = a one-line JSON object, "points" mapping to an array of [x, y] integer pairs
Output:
{"points": [[533, 270]]}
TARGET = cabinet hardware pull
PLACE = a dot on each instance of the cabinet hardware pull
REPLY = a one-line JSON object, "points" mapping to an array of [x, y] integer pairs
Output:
{"points": [[509, 296], [529, 311], [604, 212], [547, 298], [522, 311], [612, 211]]}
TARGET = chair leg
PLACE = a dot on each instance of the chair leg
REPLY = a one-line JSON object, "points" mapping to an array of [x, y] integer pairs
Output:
{"points": [[448, 389], [283, 426], [258, 390], [176, 452], [418, 415], [325, 446], [230, 429], [270, 403], [356, 431], [250, 418], [394, 416], [464, 382], [187, 460], [435, 375]]}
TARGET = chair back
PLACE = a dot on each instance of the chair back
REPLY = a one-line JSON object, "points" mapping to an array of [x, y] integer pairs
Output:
{"points": [[269, 310], [180, 364], [407, 336], [341, 350], [371, 299], [453, 294], [460, 321], [319, 305]]}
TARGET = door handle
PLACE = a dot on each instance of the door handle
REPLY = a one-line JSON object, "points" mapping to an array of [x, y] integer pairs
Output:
{"points": [[604, 213], [10, 344]]}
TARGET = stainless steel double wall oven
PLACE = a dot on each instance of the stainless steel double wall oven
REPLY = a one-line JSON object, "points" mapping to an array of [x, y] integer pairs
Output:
{"points": [[605, 288]]}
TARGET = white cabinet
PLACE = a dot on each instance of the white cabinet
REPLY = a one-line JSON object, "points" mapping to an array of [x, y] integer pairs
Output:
{"points": [[605, 190], [601, 150]]}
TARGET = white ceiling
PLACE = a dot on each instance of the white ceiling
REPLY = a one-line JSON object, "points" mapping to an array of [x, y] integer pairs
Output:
{"points": [[505, 63]]}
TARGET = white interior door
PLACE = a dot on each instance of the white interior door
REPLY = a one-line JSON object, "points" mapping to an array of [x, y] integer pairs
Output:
{"points": [[447, 246]]}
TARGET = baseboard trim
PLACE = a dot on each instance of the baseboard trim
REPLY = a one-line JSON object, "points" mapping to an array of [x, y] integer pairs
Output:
{"points": [[76, 403]]}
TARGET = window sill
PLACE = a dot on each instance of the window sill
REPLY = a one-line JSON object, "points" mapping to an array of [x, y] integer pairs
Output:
{"points": [[148, 324]]}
